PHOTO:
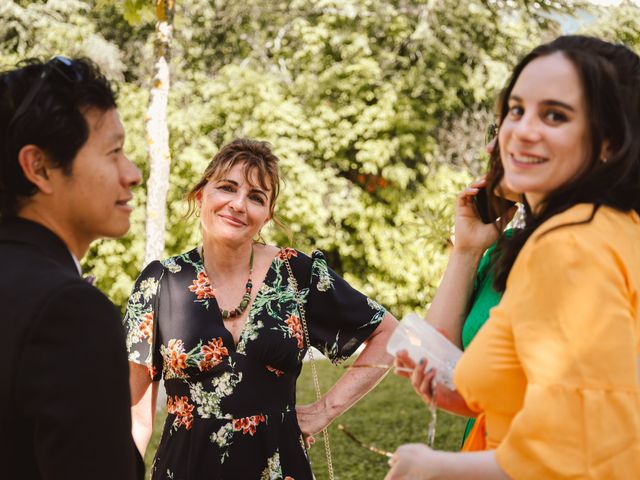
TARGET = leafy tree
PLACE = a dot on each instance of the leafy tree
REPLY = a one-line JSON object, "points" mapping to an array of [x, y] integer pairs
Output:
{"points": [[621, 24], [376, 108], [352, 94]]}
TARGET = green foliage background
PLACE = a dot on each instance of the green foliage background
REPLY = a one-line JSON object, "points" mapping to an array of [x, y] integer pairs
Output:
{"points": [[375, 107]]}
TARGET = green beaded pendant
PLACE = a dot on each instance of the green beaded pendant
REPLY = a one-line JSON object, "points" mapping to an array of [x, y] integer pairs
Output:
{"points": [[246, 298]]}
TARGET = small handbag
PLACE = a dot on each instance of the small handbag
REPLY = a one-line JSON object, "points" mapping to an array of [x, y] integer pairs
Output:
{"points": [[325, 433]]}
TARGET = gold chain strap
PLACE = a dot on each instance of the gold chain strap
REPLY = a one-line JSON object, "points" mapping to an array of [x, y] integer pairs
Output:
{"points": [[325, 433]]}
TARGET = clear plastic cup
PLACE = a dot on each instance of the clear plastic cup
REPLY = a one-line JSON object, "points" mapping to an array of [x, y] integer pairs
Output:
{"points": [[415, 335]]}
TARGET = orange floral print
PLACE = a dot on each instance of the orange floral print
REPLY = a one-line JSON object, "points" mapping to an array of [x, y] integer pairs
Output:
{"points": [[212, 354], [278, 373], [146, 327], [153, 371], [248, 424], [177, 358], [295, 329], [287, 253], [201, 287], [181, 408]]}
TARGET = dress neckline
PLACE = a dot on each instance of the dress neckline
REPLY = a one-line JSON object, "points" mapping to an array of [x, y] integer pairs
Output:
{"points": [[250, 309]]}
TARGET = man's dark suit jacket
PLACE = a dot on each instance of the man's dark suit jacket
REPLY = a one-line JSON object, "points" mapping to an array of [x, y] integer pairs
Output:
{"points": [[64, 391]]}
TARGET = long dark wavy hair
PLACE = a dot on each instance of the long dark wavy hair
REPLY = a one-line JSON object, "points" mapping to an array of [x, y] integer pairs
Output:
{"points": [[610, 76]]}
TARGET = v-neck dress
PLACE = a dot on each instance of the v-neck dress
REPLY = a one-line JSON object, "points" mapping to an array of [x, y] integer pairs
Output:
{"points": [[231, 408]]}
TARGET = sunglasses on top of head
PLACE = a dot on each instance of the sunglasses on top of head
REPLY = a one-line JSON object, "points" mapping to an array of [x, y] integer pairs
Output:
{"points": [[63, 67]]}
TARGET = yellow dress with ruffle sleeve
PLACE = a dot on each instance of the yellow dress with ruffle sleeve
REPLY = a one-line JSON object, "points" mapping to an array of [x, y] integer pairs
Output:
{"points": [[555, 370]]}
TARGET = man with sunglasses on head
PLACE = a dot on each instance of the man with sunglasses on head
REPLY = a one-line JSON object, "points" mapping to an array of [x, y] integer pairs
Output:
{"points": [[64, 182]]}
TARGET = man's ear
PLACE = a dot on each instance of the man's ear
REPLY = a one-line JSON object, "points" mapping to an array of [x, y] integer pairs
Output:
{"points": [[36, 166]]}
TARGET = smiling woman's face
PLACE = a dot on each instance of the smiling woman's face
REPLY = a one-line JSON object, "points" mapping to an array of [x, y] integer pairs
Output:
{"points": [[544, 137], [234, 208]]}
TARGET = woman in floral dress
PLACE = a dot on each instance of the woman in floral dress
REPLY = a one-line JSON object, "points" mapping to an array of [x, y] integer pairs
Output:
{"points": [[230, 372]]}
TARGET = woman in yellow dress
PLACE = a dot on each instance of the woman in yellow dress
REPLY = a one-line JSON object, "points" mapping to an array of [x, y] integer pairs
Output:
{"points": [[554, 373]]}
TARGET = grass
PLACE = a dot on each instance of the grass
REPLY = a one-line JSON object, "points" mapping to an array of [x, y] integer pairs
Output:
{"points": [[390, 415]]}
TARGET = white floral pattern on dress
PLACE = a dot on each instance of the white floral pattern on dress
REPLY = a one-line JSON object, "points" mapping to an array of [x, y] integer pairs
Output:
{"points": [[177, 331]]}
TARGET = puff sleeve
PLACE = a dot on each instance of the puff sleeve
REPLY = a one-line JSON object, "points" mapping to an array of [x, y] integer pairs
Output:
{"points": [[140, 320], [572, 308], [339, 317]]}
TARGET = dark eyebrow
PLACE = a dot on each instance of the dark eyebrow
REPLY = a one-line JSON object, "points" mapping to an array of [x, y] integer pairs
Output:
{"points": [[233, 182], [253, 190], [549, 103], [556, 103]]}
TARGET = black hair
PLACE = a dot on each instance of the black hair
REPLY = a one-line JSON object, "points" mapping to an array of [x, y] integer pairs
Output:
{"points": [[53, 119], [610, 77]]}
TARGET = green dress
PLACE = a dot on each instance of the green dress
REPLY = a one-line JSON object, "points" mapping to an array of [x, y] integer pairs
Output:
{"points": [[483, 299]]}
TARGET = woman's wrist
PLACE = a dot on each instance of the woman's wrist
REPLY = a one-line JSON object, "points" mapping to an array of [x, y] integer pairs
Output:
{"points": [[468, 253]]}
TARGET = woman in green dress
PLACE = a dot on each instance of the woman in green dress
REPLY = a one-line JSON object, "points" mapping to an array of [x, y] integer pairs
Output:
{"points": [[466, 294]]}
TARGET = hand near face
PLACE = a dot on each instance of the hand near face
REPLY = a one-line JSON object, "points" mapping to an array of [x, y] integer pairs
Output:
{"points": [[470, 233], [412, 462]]}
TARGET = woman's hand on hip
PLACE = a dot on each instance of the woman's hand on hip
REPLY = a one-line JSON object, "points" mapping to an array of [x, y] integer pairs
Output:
{"points": [[312, 418]]}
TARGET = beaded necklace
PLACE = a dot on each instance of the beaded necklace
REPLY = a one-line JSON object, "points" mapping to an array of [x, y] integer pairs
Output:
{"points": [[246, 298]]}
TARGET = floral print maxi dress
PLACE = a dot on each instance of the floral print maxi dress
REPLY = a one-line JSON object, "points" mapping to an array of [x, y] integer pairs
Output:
{"points": [[231, 408]]}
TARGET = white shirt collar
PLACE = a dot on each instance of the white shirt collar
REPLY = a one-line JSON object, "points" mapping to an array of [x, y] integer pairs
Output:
{"points": [[75, 260]]}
